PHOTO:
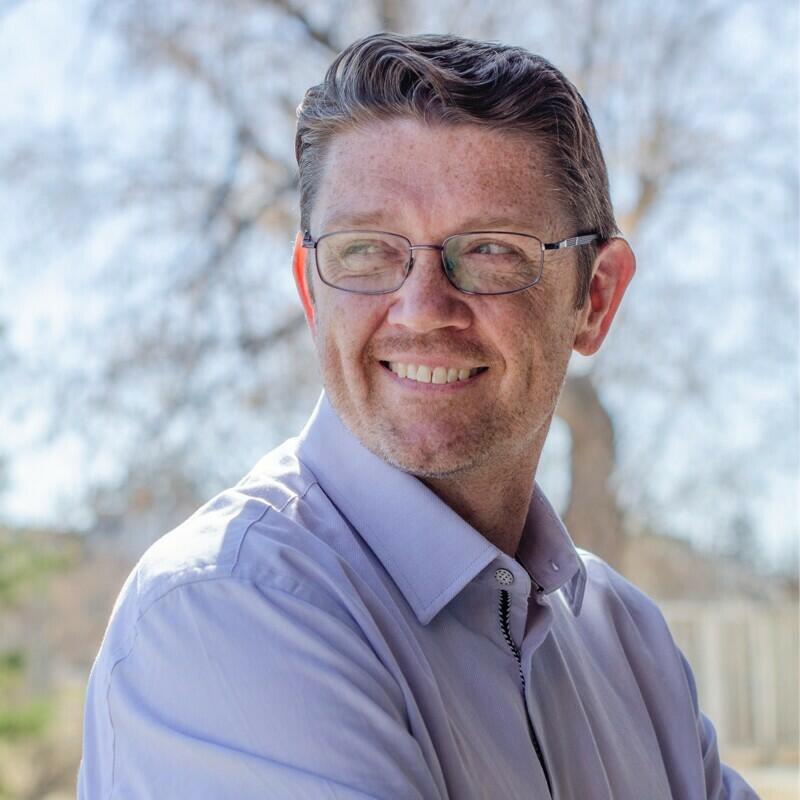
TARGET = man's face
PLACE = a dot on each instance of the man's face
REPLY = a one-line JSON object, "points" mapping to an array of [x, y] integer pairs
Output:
{"points": [[427, 183]]}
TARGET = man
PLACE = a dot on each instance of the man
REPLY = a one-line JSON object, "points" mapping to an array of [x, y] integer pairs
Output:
{"points": [[387, 606]]}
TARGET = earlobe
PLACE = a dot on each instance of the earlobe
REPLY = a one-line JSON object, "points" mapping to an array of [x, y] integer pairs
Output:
{"points": [[299, 271], [612, 271]]}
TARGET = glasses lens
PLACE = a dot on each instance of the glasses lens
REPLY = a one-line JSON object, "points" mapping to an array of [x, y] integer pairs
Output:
{"points": [[363, 261], [493, 263]]}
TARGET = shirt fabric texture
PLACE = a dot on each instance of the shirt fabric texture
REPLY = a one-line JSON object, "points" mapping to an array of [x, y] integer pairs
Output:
{"points": [[329, 628]]}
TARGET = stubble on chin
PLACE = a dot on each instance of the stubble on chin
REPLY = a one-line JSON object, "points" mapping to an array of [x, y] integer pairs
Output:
{"points": [[442, 456]]}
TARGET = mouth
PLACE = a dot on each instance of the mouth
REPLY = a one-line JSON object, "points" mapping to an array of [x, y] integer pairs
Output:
{"points": [[425, 373]]}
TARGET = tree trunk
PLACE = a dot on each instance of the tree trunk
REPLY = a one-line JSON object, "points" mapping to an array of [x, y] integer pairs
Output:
{"points": [[592, 516]]}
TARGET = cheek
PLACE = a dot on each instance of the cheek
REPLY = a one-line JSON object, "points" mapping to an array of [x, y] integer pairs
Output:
{"points": [[538, 344], [345, 324]]}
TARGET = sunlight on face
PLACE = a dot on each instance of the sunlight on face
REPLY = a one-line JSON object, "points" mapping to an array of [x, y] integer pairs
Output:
{"points": [[431, 379]]}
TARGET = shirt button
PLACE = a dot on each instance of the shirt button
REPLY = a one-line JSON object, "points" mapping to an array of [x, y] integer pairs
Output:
{"points": [[504, 576]]}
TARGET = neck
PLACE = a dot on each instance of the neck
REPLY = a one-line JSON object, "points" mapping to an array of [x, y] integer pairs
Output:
{"points": [[494, 499]]}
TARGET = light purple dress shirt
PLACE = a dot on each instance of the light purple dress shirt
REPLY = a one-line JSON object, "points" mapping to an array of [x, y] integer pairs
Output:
{"points": [[328, 628]]}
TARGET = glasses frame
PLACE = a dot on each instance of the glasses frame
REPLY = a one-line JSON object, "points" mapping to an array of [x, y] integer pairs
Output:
{"points": [[309, 243]]}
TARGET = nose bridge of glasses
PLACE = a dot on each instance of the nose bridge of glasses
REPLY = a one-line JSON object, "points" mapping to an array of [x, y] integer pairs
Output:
{"points": [[435, 247], [426, 247], [414, 247]]}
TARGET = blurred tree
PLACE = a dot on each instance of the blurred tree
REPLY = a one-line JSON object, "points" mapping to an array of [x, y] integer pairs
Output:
{"points": [[27, 708], [5, 369], [180, 170]]}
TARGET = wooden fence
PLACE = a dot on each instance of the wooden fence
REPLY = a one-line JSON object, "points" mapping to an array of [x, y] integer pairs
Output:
{"points": [[745, 659]]}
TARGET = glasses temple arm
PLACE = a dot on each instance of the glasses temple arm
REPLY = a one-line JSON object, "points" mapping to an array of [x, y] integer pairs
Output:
{"points": [[573, 241]]}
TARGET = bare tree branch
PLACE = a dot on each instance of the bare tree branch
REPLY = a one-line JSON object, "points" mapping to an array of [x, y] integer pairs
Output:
{"points": [[315, 33], [255, 344]]}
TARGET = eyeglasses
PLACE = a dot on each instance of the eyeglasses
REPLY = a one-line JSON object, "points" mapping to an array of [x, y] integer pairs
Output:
{"points": [[479, 262]]}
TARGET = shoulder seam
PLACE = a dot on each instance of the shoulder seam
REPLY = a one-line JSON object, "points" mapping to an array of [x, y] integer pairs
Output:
{"points": [[295, 496], [268, 506]]}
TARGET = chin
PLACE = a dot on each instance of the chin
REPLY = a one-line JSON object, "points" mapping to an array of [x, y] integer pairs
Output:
{"points": [[426, 467], [419, 445], [430, 456]]}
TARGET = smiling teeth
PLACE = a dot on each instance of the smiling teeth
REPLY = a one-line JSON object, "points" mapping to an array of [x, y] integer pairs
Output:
{"points": [[425, 374]]}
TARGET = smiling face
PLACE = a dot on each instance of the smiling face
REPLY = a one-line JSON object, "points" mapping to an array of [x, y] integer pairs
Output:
{"points": [[497, 364]]}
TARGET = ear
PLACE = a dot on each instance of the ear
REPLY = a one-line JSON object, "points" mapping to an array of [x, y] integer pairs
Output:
{"points": [[612, 271], [299, 271]]}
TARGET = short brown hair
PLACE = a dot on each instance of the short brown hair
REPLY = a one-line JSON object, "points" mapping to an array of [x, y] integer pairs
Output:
{"points": [[450, 79]]}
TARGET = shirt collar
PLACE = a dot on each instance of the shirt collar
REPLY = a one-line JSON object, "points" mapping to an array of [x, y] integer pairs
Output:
{"points": [[430, 552]]}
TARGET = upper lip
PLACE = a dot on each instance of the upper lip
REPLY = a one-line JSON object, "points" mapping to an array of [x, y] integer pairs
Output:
{"points": [[456, 362]]}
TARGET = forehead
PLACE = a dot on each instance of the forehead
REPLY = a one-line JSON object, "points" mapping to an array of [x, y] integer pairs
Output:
{"points": [[436, 178]]}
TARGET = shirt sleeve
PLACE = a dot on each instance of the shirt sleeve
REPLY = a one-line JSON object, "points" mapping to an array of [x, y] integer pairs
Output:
{"points": [[722, 782], [235, 689]]}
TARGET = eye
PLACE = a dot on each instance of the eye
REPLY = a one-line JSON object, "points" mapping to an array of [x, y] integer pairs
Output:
{"points": [[365, 248], [491, 249]]}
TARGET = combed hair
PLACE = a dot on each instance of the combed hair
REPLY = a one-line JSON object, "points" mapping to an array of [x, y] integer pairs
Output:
{"points": [[452, 80]]}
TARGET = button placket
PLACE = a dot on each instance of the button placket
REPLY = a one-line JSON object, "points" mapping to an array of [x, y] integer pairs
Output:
{"points": [[504, 578]]}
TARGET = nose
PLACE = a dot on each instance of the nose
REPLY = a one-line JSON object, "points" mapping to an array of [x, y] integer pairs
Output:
{"points": [[427, 301]]}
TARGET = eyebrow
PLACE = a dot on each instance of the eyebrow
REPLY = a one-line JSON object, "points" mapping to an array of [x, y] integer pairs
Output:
{"points": [[378, 220]]}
